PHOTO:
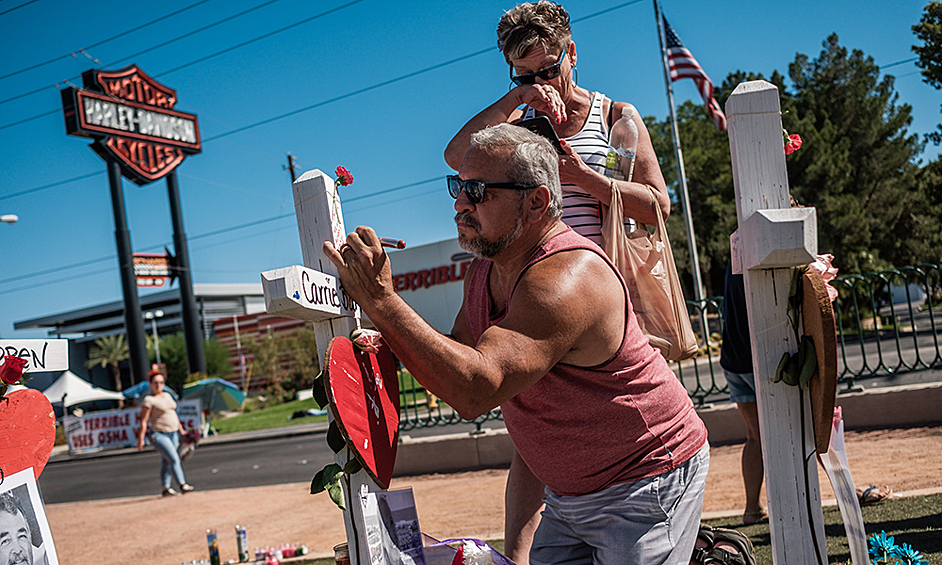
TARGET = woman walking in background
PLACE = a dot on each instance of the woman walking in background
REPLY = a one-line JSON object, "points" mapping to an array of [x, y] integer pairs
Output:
{"points": [[159, 413]]}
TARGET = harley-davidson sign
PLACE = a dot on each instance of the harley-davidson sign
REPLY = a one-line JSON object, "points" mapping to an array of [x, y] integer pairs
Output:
{"points": [[131, 117]]}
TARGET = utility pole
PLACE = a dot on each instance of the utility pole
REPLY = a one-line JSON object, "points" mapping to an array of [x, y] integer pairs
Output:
{"points": [[290, 167]]}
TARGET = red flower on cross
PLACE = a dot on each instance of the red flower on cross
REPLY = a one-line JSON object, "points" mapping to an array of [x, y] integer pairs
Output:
{"points": [[344, 177], [793, 144], [12, 370]]}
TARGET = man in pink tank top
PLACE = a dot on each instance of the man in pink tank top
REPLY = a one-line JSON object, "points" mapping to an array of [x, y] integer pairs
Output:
{"points": [[611, 456]]}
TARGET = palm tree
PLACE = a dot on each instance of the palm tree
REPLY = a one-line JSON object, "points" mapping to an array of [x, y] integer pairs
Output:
{"points": [[109, 351]]}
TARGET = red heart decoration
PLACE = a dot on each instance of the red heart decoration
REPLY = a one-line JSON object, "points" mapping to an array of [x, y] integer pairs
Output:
{"points": [[363, 390], [27, 431]]}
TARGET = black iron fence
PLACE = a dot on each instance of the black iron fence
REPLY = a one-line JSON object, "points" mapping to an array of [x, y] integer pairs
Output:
{"points": [[888, 323]]}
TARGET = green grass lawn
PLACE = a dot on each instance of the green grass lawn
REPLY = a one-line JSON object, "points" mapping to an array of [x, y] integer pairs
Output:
{"points": [[915, 520], [272, 417]]}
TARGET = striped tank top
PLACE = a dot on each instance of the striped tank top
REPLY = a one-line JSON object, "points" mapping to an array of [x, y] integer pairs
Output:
{"points": [[582, 211]]}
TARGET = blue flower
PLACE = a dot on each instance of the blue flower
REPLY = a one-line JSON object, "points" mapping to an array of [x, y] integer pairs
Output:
{"points": [[908, 555], [881, 547]]}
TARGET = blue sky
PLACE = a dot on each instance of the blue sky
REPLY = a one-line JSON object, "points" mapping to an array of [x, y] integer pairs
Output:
{"points": [[378, 87]]}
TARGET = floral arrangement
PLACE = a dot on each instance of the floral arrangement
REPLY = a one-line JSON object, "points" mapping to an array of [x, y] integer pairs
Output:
{"points": [[191, 436], [366, 340], [11, 372], [792, 142], [344, 177], [883, 549]]}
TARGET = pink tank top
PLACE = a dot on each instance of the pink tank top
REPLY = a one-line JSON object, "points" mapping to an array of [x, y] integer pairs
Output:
{"points": [[583, 429]]}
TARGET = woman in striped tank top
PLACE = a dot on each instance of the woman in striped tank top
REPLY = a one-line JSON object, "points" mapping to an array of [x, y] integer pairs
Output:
{"points": [[537, 44]]}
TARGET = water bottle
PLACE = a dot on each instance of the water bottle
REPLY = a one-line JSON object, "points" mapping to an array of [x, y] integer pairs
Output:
{"points": [[623, 146]]}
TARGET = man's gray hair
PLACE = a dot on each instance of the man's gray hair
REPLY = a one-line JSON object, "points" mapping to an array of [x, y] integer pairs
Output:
{"points": [[10, 504], [533, 161], [528, 25]]}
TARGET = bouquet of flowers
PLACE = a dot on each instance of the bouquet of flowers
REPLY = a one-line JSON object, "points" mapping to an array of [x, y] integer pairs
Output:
{"points": [[883, 549], [188, 442]]}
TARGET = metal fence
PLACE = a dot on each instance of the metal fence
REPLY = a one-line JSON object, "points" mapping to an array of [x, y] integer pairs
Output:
{"points": [[888, 324]]}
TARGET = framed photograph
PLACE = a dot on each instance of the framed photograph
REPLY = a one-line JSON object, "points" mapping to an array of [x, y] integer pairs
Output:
{"points": [[392, 528], [24, 531]]}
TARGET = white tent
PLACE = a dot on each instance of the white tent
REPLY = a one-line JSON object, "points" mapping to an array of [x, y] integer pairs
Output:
{"points": [[77, 390]]}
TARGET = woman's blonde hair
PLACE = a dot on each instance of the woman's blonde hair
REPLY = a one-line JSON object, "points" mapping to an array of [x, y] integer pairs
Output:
{"points": [[534, 23]]}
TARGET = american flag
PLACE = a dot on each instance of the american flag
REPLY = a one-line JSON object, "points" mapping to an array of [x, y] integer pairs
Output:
{"points": [[683, 65]]}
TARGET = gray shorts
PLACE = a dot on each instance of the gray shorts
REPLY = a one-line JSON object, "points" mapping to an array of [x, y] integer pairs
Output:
{"points": [[646, 522], [742, 386]]}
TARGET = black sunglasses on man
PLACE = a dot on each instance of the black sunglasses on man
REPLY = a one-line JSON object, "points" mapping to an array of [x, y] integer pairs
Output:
{"points": [[475, 188]]}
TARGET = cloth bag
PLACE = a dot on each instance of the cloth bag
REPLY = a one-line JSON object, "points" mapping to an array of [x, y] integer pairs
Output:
{"points": [[646, 263]]}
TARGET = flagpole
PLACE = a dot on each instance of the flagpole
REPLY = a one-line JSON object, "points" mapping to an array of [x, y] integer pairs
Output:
{"points": [[682, 176]]}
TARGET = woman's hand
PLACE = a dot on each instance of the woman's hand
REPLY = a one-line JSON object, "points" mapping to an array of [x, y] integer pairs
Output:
{"points": [[542, 98], [572, 169]]}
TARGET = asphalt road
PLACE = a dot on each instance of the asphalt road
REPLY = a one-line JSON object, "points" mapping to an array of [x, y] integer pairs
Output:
{"points": [[215, 465]]}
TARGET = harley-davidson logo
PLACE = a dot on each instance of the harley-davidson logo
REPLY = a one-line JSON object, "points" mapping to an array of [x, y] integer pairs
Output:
{"points": [[131, 117]]}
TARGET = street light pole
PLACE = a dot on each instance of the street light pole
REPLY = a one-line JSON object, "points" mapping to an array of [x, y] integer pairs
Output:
{"points": [[152, 316]]}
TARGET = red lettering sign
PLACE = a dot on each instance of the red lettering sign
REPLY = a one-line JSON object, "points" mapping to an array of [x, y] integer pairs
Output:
{"points": [[426, 278]]}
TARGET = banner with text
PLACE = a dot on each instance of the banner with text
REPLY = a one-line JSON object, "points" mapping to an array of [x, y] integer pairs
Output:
{"points": [[118, 428]]}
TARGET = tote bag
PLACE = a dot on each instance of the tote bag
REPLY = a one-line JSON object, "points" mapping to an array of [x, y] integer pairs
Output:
{"points": [[646, 263]]}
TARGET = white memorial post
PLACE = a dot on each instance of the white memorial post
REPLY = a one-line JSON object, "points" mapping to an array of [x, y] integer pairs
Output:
{"points": [[313, 293], [773, 238]]}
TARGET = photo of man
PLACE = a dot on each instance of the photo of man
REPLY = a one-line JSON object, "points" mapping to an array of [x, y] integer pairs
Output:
{"points": [[16, 539], [24, 533]]}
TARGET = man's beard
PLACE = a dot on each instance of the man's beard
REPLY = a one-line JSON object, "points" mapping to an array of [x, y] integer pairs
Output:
{"points": [[482, 247]]}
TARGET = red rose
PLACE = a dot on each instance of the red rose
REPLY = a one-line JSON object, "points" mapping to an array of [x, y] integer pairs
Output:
{"points": [[12, 370], [794, 143], [344, 178]]}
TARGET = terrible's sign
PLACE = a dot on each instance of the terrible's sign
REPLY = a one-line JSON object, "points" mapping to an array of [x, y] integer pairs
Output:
{"points": [[131, 118]]}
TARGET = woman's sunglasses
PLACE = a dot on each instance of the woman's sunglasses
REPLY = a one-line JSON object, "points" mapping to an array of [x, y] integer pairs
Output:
{"points": [[475, 188], [549, 73]]}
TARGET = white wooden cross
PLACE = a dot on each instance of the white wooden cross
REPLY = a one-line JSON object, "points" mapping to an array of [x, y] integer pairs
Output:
{"points": [[313, 293], [772, 238]]}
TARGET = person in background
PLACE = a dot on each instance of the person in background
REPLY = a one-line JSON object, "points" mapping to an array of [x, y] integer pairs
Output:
{"points": [[159, 413], [604, 431], [537, 44], [736, 360]]}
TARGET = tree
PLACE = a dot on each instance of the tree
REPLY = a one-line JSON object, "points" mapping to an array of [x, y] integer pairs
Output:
{"points": [[857, 164], [217, 358], [173, 355], [929, 30], [109, 351], [858, 167], [709, 186], [301, 349], [266, 363]]}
